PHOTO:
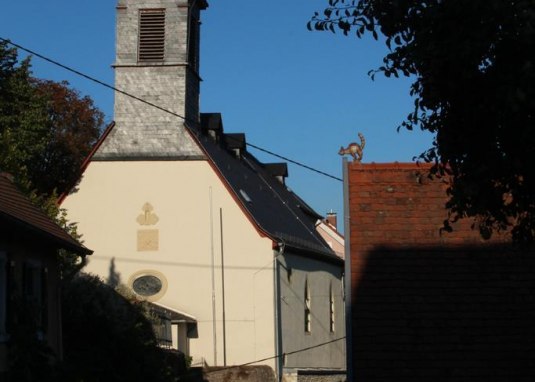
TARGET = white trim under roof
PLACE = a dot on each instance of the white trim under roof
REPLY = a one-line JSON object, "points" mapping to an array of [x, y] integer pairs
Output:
{"points": [[186, 317], [330, 231]]}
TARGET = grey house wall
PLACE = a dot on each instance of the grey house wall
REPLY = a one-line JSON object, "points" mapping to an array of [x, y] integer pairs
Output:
{"points": [[322, 277]]}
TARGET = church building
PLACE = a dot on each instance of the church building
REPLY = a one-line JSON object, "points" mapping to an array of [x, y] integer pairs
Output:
{"points": [[185, 216]]}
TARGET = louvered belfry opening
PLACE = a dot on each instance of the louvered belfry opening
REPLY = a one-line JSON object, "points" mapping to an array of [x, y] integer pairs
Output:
{"points": [[151, 35]]}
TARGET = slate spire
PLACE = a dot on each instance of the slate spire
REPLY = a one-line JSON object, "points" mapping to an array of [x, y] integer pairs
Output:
{"points": [[157, 60]]}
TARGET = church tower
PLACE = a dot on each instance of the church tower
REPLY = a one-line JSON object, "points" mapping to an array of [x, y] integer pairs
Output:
{"points": [[157, 61]]}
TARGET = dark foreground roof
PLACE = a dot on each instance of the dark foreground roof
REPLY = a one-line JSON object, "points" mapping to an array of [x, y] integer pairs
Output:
{"points": [[18, 212], [275, 209]]}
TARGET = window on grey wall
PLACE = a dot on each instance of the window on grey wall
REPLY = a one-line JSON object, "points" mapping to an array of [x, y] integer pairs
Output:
{"points": [[331, 309], [151, 40], [308, 313]]}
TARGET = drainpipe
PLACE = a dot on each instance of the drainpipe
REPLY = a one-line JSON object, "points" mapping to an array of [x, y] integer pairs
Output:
{"points": [[212, 267], [279, 363], [223, 290], [347, 276]]}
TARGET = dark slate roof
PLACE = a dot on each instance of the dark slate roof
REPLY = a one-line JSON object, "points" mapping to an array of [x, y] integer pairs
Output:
{"points": [[276, 210], [277, 169], [17, 211]]}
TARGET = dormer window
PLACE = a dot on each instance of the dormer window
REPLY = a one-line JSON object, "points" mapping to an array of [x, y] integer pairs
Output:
{"points": [[151, 43]]}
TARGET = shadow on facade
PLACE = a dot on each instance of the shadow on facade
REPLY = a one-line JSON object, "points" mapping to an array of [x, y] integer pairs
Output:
{"points": [[429, 314]]}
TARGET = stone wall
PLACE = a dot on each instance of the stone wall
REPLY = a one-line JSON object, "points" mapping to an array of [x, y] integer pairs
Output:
{"points": [[240, 373], [321, 378]]}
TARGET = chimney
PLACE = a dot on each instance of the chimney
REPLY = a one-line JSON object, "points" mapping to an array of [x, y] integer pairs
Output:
{"points": [[332, 219]]}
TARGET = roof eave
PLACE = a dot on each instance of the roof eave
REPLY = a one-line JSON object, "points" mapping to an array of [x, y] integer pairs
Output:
{"points": [[87, 160], [56, 241], [314, 253]]}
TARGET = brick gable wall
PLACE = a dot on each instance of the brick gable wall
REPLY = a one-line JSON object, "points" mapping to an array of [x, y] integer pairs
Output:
{"points": [[430, 305]]}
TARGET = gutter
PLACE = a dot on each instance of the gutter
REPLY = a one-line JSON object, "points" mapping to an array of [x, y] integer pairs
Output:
{"points": [[347, 274], [279, 363]]}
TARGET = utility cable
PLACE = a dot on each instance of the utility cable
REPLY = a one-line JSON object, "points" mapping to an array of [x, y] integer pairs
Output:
{"points": [[278, 356], [295, 162], [77, 72], [93, 79]]}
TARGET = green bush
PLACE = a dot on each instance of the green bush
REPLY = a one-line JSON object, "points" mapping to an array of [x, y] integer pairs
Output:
{"points": [[108, 338]]}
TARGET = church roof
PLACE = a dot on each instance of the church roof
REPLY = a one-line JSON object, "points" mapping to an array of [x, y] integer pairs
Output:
{"points": [[258, 187], [273, 207]]}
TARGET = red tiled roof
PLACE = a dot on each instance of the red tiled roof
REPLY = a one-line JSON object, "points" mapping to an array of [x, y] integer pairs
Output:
{"points": [[16, 209]]}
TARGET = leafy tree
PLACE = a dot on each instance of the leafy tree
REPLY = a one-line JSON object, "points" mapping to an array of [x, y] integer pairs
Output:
{"points": [[46, 131], [73, 127], [22, 115], [473, 64], [46, 128]]}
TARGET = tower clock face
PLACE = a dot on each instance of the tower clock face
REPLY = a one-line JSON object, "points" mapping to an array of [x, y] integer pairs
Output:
{"points": [[148, 285]]}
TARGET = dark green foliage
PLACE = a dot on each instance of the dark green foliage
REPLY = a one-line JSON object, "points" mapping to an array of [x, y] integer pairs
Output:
{"points": [[22, 115], [473, 64], [107, 338], [46, 128], [46, 131]]}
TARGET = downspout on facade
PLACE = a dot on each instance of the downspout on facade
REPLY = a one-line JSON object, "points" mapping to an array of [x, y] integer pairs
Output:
{"points": [[347, 273], [279, 363]]}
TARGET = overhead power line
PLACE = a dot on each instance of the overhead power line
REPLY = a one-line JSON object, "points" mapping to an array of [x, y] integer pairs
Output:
{"points": [[93, 79], [295, 162], [77, 72], [279, 356]]}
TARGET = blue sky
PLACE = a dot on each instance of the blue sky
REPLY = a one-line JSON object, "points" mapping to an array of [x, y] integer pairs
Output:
{"points": [[298, 93]]}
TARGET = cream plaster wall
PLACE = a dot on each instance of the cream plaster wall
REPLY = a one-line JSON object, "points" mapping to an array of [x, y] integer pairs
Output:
{"points": [[331, 237], [109, 199]]}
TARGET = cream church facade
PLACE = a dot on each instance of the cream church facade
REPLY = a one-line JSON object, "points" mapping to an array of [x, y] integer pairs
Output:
{"points": [[183, 215]]}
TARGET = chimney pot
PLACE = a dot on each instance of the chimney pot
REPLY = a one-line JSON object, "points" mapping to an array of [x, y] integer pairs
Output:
{"points": [[332, 219]]}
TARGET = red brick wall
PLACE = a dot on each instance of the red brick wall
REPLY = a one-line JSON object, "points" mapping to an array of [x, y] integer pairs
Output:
{"points": [[430, 305], [400, 198]]}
